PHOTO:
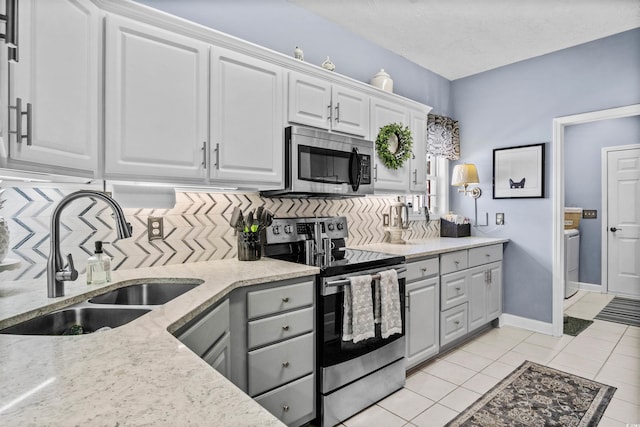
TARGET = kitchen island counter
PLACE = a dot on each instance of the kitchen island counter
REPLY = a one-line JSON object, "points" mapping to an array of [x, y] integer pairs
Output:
{"points": [[136, 374], [422, 248]]}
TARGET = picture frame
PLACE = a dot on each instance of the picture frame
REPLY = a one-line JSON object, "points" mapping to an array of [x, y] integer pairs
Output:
{"points": [[518, 172]]}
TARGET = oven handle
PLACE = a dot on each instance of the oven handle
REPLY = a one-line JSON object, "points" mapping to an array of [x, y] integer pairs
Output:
{"points": [[342, 282]]}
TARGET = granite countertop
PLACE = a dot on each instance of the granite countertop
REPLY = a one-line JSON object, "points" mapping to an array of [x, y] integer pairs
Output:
{"points": [[137, 374], [415, 249]]}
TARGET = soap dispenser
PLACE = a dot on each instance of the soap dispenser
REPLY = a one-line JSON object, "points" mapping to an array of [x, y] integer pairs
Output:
{"points": [[98, 267]]}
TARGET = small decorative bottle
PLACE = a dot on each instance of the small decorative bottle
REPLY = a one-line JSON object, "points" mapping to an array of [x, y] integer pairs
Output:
{"points": [[298, 53], [98, 267]]}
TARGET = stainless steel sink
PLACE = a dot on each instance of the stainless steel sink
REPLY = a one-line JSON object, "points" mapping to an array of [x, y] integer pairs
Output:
{"points": [[151, 293], [76, 321]]}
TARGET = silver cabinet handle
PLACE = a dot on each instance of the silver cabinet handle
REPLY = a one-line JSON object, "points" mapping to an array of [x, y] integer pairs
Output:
{"points": [[338, 112], [457, 322], [458, 288], [423, 269], [217, 163], [204, 154], [415, 176], [285, 408], [285, 364], [408, 301], [375, 173], [285, 327], [285, 299], [19, 113], [329, 115]]}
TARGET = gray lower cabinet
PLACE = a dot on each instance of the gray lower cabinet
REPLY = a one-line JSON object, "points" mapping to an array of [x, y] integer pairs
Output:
{"points": [[273, 350], [208, 335], [421, 311], [470, 291]]}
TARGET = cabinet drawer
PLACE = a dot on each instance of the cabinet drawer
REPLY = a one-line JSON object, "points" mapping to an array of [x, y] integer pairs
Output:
{"points": [[275, 300], [277, 328], [207, 330], [420, 269], [453, 324], [291, 402], [485, 255], [454, 261], [454, 289], [272, 366]]}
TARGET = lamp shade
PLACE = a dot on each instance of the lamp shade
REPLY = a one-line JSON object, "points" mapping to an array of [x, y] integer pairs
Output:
{"points": [[464, 174]]}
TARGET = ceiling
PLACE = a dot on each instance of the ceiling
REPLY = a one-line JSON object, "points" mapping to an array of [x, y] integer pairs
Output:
{"points": [[458, 38]]}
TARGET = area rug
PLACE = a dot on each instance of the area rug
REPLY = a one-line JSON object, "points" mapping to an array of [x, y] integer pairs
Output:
{"points": [[535, 395], [621, 310], [573, 325]]}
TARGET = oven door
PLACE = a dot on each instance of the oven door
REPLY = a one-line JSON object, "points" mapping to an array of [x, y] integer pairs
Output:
{"points": [[338, 165], [332, 349]]}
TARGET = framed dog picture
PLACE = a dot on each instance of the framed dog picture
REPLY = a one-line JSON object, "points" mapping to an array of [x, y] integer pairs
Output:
{"points": [[518, 172]]}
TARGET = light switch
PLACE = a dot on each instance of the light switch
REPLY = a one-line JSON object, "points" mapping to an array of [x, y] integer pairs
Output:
{"points": [[589, 213], [499, 218]]}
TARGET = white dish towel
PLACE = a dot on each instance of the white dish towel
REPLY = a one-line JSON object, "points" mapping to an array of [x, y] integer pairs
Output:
{"points": [[357, 322], [390, 316]]}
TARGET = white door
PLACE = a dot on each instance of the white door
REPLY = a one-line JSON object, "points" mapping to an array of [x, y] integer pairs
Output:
{"points": [[156, 102], [58, 73], [477, 297], [418, 161], [309, 101], [350, 111], [247, 120], [422, 310], [623, 213]]}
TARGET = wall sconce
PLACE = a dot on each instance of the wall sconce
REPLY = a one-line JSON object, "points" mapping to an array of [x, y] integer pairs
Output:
{"points": [[462, 176]]}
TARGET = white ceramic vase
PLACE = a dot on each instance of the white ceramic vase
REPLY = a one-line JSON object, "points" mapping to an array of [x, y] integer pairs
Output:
{"points": [[4, 238]]}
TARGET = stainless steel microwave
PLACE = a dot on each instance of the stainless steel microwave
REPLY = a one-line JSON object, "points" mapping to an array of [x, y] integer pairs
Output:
{"points": [[324, 164]]}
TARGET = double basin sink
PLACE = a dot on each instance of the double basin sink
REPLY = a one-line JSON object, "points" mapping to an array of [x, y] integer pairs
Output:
{"points": [[105, 311]]}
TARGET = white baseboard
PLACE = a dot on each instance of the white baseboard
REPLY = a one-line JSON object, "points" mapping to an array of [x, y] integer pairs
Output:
{"points": [[590, 287], [525, 323]]}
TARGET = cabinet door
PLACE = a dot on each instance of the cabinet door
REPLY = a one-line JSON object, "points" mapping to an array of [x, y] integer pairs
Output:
{"points": [[385, 180], [246, 126], [218, 356], [350, 111], [419, 159], [494, 291], [422, 319], [156, 102], [477, 297], [309, 101], [59, 74]]}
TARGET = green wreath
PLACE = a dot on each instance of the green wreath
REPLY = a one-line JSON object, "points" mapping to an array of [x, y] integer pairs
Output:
{"points": [[393, 145]]}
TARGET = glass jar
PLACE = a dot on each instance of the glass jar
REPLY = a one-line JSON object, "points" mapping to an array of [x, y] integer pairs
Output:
{"points": [[249, 246]]}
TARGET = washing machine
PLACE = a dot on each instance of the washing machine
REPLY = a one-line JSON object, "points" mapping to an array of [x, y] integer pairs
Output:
{"points": [[571, 261]]}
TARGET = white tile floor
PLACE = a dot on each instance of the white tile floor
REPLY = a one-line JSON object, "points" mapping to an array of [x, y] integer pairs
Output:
{"points": [[605, 352]]}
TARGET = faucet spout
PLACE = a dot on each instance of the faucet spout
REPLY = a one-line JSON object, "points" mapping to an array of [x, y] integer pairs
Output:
{"points": [[57, 274]]}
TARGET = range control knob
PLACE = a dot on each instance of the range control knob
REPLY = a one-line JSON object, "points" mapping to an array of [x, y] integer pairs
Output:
{"points": [[287, 229], [330, 226], [276, 229], [340, 226]]}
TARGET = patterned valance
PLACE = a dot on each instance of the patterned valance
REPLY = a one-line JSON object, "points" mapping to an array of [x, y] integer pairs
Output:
{"points": [[443, 137]]}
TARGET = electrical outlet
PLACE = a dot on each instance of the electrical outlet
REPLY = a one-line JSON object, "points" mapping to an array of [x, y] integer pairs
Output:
{"points": [[155, 228], [499, 218], [589, 213]]}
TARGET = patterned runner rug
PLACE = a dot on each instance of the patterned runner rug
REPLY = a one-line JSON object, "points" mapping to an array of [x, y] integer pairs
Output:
{"points": [[535, 395], [621, 310]]}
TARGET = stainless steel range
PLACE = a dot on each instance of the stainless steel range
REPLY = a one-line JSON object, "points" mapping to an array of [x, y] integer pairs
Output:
{"points": [[350, 376]]}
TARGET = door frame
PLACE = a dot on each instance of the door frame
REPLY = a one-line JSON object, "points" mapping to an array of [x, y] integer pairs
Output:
{"points": [[557, 179], [604, 280]]}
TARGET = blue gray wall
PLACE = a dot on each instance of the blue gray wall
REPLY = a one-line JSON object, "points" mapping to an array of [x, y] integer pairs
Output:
{"points": [[583, 177], [515, 105], [281, 26]]}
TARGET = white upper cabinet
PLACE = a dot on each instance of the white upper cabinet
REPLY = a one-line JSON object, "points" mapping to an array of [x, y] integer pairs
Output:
{"points": [[385, 179], [156, 93], [418, 162], [246, 120], [59, 74], [320, 103]]}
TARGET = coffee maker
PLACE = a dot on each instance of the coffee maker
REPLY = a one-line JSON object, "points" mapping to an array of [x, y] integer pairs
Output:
{"points": [[397, 221]]}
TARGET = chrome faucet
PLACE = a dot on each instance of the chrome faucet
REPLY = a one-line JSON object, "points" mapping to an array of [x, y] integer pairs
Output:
{"points": [[57, 273]]}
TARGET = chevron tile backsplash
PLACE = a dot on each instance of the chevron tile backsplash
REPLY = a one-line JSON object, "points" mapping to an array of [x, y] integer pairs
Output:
{"points": [[196, 228]]}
